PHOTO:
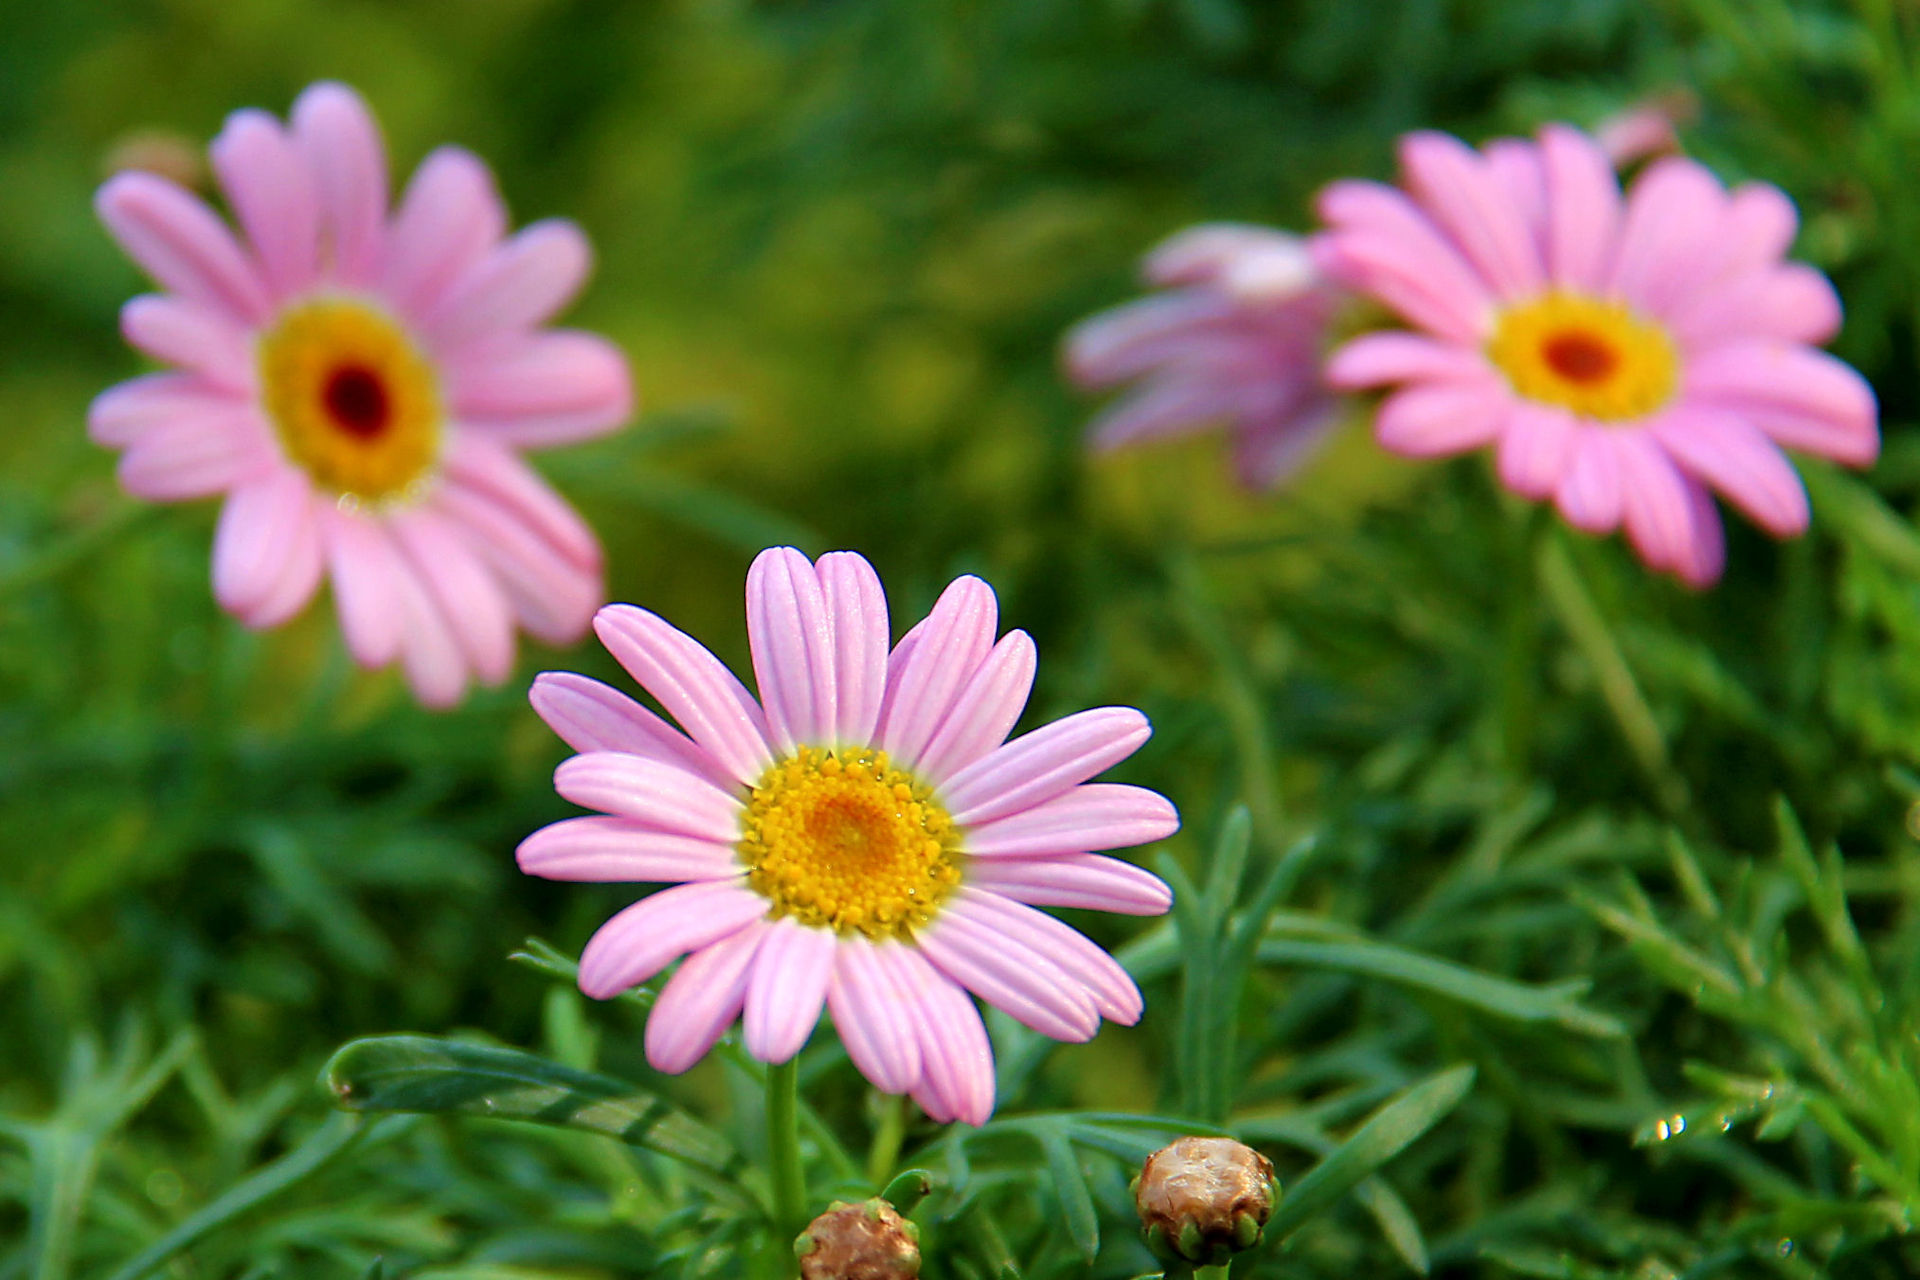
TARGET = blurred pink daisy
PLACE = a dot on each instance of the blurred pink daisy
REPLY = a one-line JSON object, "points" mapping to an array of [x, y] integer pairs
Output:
{"points": [[358, 386], [862, 838], [1622, 356], [1237, 339]]}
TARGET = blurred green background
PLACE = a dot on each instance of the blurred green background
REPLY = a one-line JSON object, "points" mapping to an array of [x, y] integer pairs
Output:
{"points": [[839, 240]]}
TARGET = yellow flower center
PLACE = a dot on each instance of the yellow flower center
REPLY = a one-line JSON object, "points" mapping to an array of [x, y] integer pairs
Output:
{"points": [[354, 402], [1596, 358], [845, 841]]}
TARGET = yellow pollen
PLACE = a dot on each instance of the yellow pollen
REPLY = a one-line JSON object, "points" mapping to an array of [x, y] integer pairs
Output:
{"points": [[845, 841], [353, 401], [1596, 358]]}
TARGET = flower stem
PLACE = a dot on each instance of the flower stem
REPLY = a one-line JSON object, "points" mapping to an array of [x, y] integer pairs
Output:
{"points": [[790, 1215], [884, 1154]]}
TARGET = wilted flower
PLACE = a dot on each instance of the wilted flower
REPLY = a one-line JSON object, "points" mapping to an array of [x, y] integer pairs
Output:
{"points": [[1203, 1199], [1621, 356], [359, 385], [865, 1241], [861, 837], [1236, 339]]}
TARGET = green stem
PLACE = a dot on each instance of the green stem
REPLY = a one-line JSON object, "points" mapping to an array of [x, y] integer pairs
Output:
{"points": [[1211, 1273], [789, 1180], [884, 1154]]}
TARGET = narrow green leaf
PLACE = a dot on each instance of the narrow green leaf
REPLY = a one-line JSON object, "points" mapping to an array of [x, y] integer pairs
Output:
{"points": [[1070, 1185], [1386, 1133], [426, 1073], [907, 1189]]}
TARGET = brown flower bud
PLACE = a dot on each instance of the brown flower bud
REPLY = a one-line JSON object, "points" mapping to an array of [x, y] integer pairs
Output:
{"points": [[1203, 1199], [865, 1241], [171, 155]]}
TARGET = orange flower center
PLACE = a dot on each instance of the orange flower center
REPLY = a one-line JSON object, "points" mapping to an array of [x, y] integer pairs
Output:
{"points": [[842, 840], [1597, 358], [354, 403]]}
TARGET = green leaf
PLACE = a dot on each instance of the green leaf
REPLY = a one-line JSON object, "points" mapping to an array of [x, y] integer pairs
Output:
{"points": [[1070, 1184], [1385, 1134], [426, 1073]]}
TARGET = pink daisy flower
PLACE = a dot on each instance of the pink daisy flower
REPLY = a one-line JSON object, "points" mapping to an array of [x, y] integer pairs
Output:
{"points": [[358, 386], [1237, 338], [861, 839], [1622, 357]]}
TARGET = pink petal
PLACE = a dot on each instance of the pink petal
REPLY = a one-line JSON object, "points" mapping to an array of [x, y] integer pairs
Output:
{"points": [[430, 653], [1124, 342], [787, 988], [658, 795], [195, 456], [1803, 399], [1516, 169], [1213, 252], [534, 391], [448, 219], [956, 1059], [1094, 815], [1038, 766], [1535, 447], [953, 640], [857, 607], [701, 1001], [1759, 226], [1269, 452], [1382, 243], [270, 189], [790, 634], [694, 686], [371, 584], [553, 595], [1434, 419], [1376, 359], [516, 285], [1582, 209], [1589, 494], [266, 550], [872, 1009], [121, 414], [1166, 407], [646, 937], [1114, 993], [985, 711], [461, 588], [1454, 185], [591, 716], [1664, 521], [1008, 973], [511, 484], [178, 241], [621, 850], [1735, 458], [1672, 236], [341, 144], [1790, 302], [1091, 881], [184, 333]]}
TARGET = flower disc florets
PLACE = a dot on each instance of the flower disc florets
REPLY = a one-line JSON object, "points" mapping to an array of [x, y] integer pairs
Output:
{"points": [[1593, 356], [845, 841]]}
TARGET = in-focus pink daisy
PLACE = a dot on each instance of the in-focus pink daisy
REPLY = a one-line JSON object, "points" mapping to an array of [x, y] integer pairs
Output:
{"points": [[1623, 356], [359, 386], [862, 838], [1236, 338]]}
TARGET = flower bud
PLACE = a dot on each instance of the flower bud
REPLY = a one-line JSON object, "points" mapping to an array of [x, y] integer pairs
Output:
{"points": [[865, 1241], [1203, 1199]]}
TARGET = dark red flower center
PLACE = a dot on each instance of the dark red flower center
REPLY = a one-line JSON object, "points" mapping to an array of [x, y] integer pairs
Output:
{"points": [[357, 402], [1579, 356]]}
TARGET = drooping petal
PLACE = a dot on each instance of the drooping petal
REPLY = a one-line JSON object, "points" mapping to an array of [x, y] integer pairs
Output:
{"points": [[695, 687], [1038, 766], [953, 640], [787, 988], [646, 937], [1741, 463], [340, 142], [1090, 881], [622, 850], [1662, 518], [857, 607], [538, 390], [180, 242], [270, 189], [1094, 815], [651, 792], [985, 710], [873, 1013], [266, 550], [956, 1058], [1114, 993], [591, 716], [790, 635], [701, 1000]]}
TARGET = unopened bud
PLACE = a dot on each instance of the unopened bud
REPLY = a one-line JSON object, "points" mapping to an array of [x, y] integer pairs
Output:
{"points": [[865, 1241], [1202, 1200], [171, 155]]}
